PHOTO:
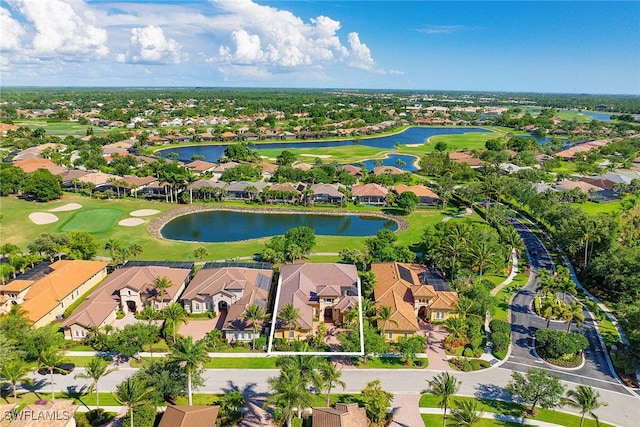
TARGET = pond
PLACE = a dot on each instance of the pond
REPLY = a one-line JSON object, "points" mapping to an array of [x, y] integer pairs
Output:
{"points": [[230, 226], [412, 135], [402, 161]]}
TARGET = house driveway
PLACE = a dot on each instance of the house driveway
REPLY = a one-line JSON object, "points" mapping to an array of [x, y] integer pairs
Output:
{"points": [[197, 328], [406, 412], [435, 335], [254, 415]]}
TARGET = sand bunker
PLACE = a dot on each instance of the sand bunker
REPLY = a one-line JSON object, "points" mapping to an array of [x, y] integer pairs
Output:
{"points": [[67, 207], [41, 218], [144, 212], [414, 145], [131, 222], [321, 156]]}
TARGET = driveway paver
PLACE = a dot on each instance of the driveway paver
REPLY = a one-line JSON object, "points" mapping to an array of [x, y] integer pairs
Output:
{"points": [[406, 412]]}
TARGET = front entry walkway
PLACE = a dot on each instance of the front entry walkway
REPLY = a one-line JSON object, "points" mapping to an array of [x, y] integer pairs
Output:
{"points": [[406, 412], [435, 346]]}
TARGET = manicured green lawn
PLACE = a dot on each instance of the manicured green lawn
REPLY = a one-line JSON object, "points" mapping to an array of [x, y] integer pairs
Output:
{"points": [[593, 208], [97, 220], [514, 409], [436, 421], [392, 363]]}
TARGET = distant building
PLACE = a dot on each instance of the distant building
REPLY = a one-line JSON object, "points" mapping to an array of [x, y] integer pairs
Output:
{"points": [[343, 415], [189, 416]]}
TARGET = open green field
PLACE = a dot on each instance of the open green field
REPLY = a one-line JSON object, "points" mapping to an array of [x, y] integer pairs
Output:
{"points": [[101, 217], [436, 421], [61, 128]]}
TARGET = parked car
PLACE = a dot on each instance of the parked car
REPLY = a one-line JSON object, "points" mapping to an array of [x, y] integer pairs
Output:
{"points": [[63, 369]]}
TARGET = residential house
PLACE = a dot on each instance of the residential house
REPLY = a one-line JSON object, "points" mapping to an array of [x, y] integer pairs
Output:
{"points": [[129, 289], [227, 290], [370, 194], [327, 193], [266, 169], [199, 167], [244, 190], [387, 170], [319, 291], [71, 178], [425, 194], [34, 163], [189, 416], [228, 136], [36, 151], [218, 170], [464, 157], [284, 192], [302, 166], [398, 286], [352, 170], [46, 299], [58, 413], [343, 415]]}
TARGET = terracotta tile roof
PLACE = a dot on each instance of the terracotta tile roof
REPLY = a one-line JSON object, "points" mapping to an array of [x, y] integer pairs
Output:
{"points": [[17, 285], [331, 190], [67, 275], [189, 416], [387, 170], [371, 189], [418, 190], [35, 163], [97, 307], [351, 170], [343, 415], [445, 300], [584, 187], [200, 166], [302, 166], [299, 284], [38, 415], [285, 186], [267, 167]]}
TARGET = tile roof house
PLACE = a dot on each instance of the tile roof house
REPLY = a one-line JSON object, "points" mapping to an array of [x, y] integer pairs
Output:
{"points": [[47, 298], [425, 194], [200, 166], [58, 413], [128, 289], [241, 190], [327, 193], [189, 416], [370, 194], [227, 291], [463, 157], [321, 291], [387, 170], [343, 415], [352, 170], [398, 287], [34, 163]]}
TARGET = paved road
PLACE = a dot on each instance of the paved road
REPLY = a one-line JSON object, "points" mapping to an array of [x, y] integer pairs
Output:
{"points": [[622, 409], [524, 323]]}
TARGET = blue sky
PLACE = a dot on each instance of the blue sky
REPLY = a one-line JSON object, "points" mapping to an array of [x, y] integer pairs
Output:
{"points": [[549, 46]]}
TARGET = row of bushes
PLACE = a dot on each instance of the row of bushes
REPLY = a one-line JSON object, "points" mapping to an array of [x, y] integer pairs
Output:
{"points": [[500, 335], [559, 345], [467, 365]]}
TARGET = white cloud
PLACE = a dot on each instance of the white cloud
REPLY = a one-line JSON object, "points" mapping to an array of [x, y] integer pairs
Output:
{"points": [[360, 53], [149, 45], [63, 29], [10, 31], [441, 29], [278, 41]]}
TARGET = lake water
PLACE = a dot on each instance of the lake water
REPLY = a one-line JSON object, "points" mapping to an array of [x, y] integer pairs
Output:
{"points": [[412, 135], [392, 160], [228, 226]]}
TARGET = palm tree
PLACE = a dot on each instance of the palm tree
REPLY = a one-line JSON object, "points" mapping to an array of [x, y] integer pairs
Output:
{"points": [[162, 284], [585, 398], [96, 369], [307, 366], [331, 375], [483, 255], [288, 392], [384, 316], [445, 386], [290, 315], [453, 247], [256, 315], [573, 312], [177, 315], [50, 360], [135, 250], [132, 393], [466, 414], [112, 246], [457, 328], [189, 178], [549, 308], [150, 314], [463, 306], [545, 282], [191, 357], [15, 372]]}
